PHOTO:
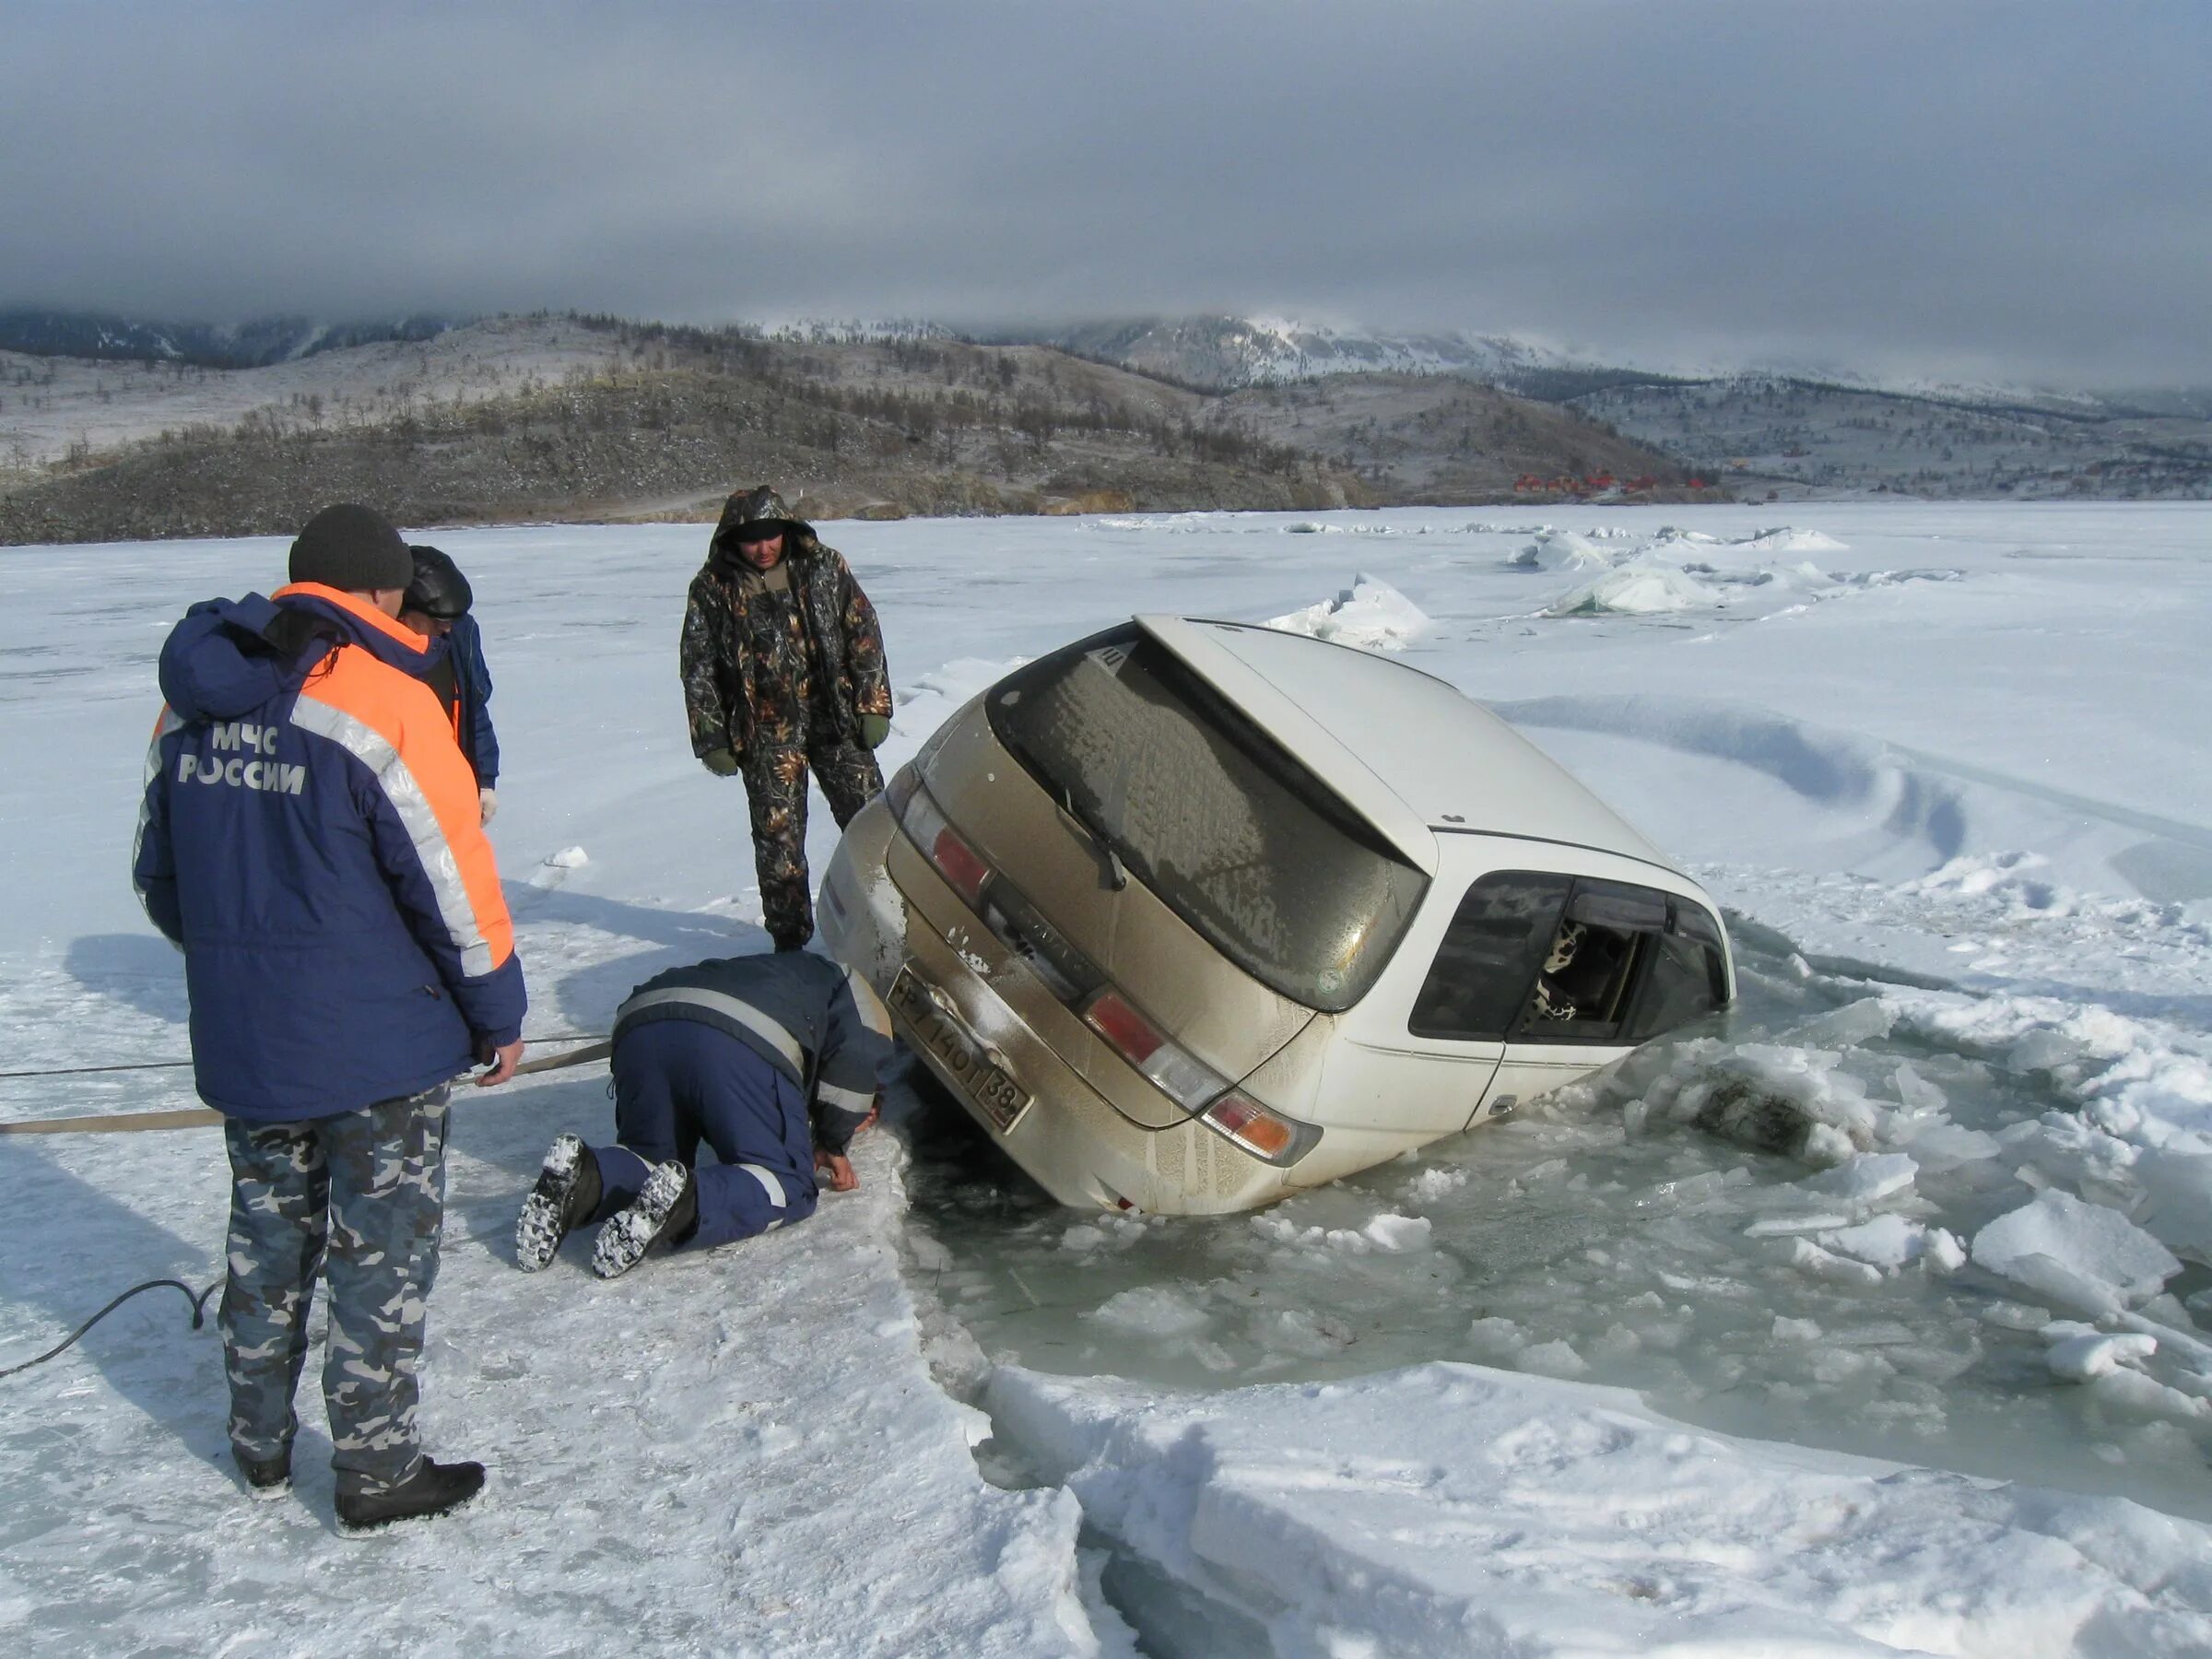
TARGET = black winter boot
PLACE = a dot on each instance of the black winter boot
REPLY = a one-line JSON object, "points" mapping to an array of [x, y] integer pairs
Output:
{"points": [[434, 1489], [266, 1477], [667, 1209], [566, 1193]]}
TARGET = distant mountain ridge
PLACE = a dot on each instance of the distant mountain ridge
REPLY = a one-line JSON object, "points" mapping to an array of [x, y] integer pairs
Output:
{"points": [[1228, 354], [1413, 418], [255, 345], [1213, 353]]}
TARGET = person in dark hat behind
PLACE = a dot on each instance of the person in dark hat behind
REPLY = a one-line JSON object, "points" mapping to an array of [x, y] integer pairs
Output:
{"points": [[782, 668], [437, 606]]}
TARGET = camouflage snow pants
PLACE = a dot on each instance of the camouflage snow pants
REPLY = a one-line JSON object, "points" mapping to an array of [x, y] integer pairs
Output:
{"points": [[361, 1195], [775, 788]]}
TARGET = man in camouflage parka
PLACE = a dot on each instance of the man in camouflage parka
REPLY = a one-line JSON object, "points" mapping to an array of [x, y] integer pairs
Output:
{"points": [[782, 668]]}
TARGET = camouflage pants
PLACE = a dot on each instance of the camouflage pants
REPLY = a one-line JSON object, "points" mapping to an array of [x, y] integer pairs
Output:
{"points": [[361, 1195], [775, 788]]}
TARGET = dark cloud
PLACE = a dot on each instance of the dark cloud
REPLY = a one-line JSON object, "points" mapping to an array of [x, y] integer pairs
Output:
{"points": [[2016, 190]]}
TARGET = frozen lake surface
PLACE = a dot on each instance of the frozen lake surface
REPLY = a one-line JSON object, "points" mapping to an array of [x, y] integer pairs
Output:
{"points": [[1938, 1194]]}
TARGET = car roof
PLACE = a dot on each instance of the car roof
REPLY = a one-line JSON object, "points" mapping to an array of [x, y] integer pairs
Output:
{"points": [[1408, 751]]}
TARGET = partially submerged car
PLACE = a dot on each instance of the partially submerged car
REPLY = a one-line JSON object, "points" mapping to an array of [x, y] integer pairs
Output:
{"points": [[1191, 915]]}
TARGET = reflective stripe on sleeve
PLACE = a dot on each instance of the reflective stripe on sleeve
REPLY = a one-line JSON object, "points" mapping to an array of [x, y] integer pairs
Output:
{"points": [[436, 854], [844, 1099], [768, 1184], [744, 1013]]}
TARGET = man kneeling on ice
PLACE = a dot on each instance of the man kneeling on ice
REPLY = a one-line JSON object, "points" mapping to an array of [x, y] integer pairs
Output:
{"points": [[769, 1059]]}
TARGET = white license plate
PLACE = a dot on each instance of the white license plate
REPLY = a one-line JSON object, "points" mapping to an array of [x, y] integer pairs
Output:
{"points": [[957, 1049]]}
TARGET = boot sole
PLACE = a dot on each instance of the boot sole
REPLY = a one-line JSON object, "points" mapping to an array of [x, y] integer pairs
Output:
{"points": [[625, 1238], [542, 1224]]}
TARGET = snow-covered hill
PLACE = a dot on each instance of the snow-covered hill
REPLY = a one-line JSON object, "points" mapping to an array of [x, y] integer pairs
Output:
{"points": [[48, 402], [1749, 430], [1226, 353], [221, 346], [1766, 430], [1753, 426]]}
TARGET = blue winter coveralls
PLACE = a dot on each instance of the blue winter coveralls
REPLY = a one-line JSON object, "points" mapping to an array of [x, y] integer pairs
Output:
{"points": [[764, 1058], [308, 837], [461, 676]]}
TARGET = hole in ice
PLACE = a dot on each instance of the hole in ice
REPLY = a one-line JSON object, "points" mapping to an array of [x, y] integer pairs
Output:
{"points": [[1763, 1226]]}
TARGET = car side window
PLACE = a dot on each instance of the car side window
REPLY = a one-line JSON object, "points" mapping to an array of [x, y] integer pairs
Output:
{"points": [[1587, 982], [1688, 975], [1490, 955]]}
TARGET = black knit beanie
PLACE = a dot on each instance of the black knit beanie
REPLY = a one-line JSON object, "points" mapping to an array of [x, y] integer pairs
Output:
{"points": [[352, 549]]}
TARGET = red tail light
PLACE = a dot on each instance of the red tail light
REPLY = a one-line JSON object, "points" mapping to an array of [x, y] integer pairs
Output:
{"points": [[1123, 1026], [960, 865]]}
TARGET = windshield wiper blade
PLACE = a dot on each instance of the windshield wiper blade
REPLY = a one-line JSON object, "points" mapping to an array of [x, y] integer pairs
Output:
{"points": [[1117, 876]]}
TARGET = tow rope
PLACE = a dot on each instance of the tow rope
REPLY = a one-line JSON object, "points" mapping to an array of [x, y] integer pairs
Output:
{"points": [[202, 1117], [596, 1048]]}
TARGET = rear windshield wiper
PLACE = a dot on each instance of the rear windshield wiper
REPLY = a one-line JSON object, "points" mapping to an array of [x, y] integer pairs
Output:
{"points": [[1117, 876]]}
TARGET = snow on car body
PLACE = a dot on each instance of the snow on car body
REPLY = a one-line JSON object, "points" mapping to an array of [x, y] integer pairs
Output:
{"points": [[1191, 915]]}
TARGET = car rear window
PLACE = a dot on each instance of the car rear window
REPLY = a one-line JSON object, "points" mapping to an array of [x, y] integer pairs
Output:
{"points": [[1220, 821]]}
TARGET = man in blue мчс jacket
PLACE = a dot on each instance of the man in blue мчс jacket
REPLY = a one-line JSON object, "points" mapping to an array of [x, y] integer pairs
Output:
{"points": [[309, 838], [771, 1060]]}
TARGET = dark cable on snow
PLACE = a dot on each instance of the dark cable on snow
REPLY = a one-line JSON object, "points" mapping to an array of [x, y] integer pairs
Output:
{"points": [[199, 1317], [84, 1071]]}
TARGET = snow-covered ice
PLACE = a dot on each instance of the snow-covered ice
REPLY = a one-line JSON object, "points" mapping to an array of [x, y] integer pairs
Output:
{"points": [[1561, 550], [1575, 1372], [1371, 614], [1449, 1508], [1638, 591]]}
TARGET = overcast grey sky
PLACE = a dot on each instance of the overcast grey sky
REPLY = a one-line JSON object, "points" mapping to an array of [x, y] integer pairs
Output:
{"points": [[2019, 190]]}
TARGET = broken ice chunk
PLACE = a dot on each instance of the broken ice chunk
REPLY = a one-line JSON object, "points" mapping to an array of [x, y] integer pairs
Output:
{"points": [[1150, 1311], [1852, 1025], [2179, 1185], [1555, 1359], [1809, 1257], [1782, 1227], [1398, 1232], [1943, 1254], [2078, 1357], [2084, 1256], [1916, 1090], [2016, 1316], [1884, 1241], [1942, 1145], [1495, 1338], [1866, 1179]]}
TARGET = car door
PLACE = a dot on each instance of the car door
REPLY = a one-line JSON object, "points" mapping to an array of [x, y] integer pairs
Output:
{"points": [[1626, 964], [1472, 983]]}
